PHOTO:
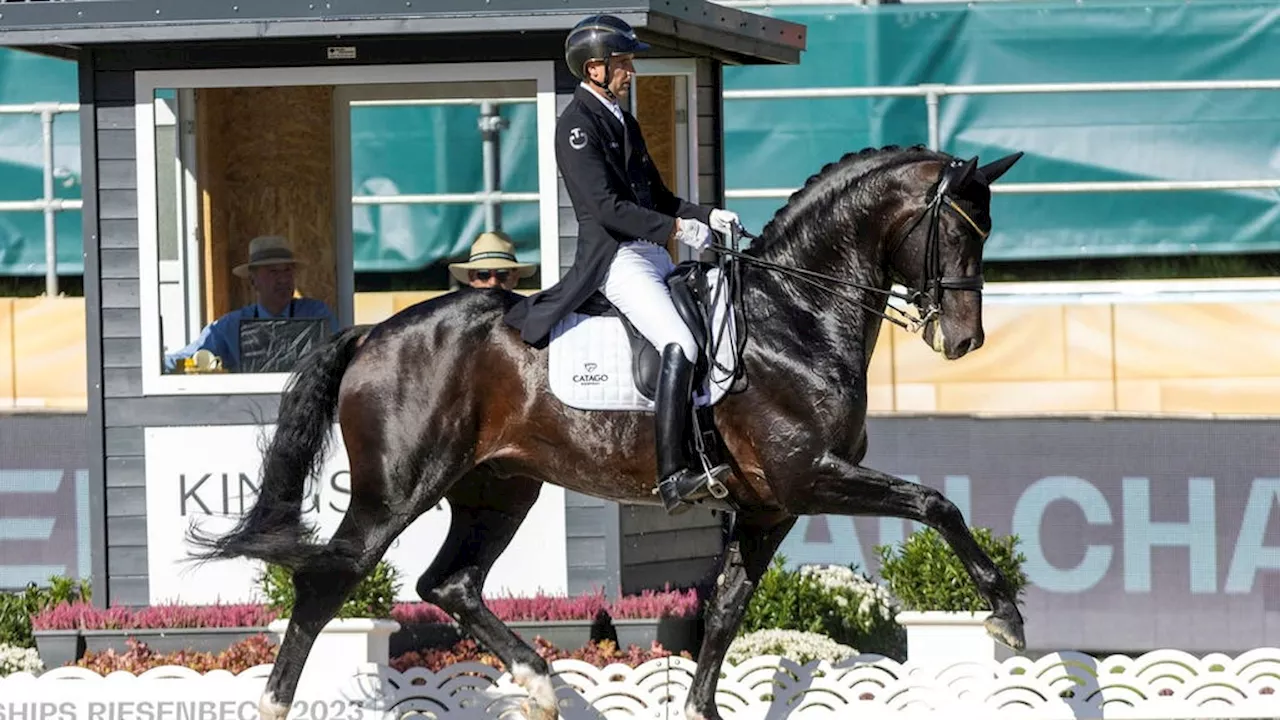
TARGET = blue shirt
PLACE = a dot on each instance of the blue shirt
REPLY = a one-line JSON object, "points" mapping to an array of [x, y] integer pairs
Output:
{"points": [[222, 336]]}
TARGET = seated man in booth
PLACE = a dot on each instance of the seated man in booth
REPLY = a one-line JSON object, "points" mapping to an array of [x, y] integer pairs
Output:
{"points": [[271, 334], [492, 263]]}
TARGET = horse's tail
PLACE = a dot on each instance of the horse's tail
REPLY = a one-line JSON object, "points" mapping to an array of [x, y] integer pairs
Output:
{"points": [[273, 530]]}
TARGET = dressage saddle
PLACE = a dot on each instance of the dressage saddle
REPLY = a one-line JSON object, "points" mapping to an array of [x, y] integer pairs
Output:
{"points": [[691, 296]]}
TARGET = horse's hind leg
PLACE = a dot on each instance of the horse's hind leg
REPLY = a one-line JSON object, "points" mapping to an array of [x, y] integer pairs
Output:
{"points": [[847, 489], [487, 511], [366, 531]]}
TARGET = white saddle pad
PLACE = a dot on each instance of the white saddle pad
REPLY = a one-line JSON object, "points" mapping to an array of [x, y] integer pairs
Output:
{"points": [[589, 361]]}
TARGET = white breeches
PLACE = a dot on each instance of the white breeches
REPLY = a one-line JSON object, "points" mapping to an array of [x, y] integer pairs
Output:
{"points": [[635, 286]]}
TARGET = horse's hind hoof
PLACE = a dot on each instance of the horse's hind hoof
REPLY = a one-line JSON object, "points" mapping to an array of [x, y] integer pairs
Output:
{"points": [[1006, 631]]}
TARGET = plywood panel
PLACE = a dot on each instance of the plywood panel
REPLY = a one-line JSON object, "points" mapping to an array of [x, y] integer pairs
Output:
{"points": [[1197, 340], [880, 371], [266, 159], [1048, 396], [409, 299], [916, 397], [1022, 343], [656, 114], [1140, 396], [1089, 342], [373, 307], [49, 352], [880, 398], [6, 353], [1245, 396]]}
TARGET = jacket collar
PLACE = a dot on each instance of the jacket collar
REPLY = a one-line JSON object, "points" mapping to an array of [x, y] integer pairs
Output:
{"points": [[592, 101]]}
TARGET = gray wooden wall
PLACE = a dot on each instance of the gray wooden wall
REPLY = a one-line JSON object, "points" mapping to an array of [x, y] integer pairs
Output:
{"points": [[117, 403], [607, 548]]}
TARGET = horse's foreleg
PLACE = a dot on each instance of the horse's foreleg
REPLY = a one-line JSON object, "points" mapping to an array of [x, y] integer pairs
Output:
{"points": [[848, 489], [487, 512], [751, 548], [321, 591]]}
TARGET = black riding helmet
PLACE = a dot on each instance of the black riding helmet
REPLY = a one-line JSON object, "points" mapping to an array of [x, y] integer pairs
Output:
{"points": [[599, 37]]}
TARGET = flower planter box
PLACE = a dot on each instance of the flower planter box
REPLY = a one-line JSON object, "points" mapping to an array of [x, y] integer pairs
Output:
{"points": [[412, 637], [59, 647], [676, 634], [937, 636], [168, 640], [341, 647]]}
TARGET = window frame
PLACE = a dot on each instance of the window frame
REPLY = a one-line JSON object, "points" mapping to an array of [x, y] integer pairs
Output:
{"points": [[146, 82]]}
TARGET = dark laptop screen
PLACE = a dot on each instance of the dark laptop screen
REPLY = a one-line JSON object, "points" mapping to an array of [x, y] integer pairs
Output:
{"points": [[276, 344]]}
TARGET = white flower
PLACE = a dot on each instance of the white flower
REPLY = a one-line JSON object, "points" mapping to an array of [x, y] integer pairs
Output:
{"points": [[872, 598], [14, 659], [792, 644]]}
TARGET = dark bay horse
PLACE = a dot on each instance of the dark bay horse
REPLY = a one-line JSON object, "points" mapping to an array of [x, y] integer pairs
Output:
{"points": [[443, 400]]}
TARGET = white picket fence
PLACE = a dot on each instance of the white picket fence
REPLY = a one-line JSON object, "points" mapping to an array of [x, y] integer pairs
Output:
{"points": [[1159, 685]]}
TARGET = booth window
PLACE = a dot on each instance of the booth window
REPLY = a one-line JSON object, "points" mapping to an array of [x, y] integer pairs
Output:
{"points": [[247, 253], [275, 214], [432, 167]]}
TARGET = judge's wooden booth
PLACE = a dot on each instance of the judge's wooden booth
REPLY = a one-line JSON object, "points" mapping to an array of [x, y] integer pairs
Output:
{"points": [[205, 124]]}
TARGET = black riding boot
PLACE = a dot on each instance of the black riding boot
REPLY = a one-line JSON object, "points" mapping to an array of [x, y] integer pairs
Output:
{"points": [[678, 478]]}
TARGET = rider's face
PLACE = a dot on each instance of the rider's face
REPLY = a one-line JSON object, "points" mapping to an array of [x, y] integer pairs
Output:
{"points": [[621, 70]]}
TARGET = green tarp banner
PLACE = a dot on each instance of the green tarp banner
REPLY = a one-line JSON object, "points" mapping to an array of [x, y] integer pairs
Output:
{"points": [[1202, 135]]}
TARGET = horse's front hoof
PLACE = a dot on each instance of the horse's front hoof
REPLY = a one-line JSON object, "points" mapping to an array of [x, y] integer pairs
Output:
{"points": [[541, 704], [534, 711], [1007, 631], [270, 709]]}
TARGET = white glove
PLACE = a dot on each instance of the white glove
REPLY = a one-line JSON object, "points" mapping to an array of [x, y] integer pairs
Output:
{"points": [[693, 233], [723, 221]]}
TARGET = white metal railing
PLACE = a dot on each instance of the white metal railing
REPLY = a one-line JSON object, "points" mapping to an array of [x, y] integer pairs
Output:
{"points": [[492, 197], [933, 94], [51, 206], [48, 204]]}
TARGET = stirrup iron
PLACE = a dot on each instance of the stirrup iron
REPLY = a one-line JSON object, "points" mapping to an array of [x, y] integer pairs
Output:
{"points": [[714, 486]]}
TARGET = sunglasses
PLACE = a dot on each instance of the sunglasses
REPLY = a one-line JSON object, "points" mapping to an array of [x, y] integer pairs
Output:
{"points": [[502, 275]]}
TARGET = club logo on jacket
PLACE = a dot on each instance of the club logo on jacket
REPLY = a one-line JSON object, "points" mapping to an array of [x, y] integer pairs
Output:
{"points": [[590, 377], [577, 138]]}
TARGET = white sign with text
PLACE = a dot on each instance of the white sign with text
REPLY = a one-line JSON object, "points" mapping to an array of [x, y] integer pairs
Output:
{"points": [[209, 475]]}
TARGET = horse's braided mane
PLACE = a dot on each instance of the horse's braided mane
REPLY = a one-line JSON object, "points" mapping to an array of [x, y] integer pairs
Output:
{"points": [[834, 177]]}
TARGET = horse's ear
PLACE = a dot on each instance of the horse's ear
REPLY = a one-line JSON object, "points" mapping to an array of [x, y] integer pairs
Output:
{"points": [[965, 173], [993, 170]]}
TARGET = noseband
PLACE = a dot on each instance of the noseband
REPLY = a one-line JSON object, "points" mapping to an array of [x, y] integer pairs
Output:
{"points": [[928, 300]]}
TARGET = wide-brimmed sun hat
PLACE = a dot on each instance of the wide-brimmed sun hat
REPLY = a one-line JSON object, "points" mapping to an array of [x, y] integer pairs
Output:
{"points": [[492, 251], [267, 250]]}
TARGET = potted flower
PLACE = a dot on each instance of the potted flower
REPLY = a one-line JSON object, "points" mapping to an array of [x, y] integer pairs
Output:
{"points": [[19, 614], [360, 631], [835, 601], [164, 628], [942, 610]]}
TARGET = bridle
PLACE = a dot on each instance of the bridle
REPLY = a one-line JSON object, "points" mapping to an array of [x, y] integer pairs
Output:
{"points": [[934, 281], [928, 299]]}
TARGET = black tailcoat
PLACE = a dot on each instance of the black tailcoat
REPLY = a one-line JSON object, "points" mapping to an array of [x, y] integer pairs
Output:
{"points": [[617, 196]]}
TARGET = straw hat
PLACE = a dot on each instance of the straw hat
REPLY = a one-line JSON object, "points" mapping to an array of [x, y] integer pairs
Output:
{"points": [[266, 250], [492, 251]]}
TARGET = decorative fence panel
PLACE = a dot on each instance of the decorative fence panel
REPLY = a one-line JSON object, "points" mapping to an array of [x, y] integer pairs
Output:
{"points": [[1164, 684]]}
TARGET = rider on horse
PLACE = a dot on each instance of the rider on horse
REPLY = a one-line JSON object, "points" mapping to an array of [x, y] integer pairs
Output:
{"points": [[626, 215]]}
